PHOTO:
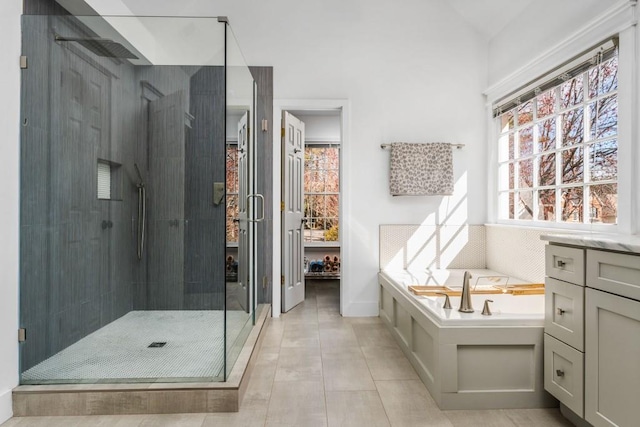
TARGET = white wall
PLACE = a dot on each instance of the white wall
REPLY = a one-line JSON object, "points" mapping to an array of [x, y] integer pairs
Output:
{"points": [[413, 73], [320, 126], [540, 26], [10, 11]]}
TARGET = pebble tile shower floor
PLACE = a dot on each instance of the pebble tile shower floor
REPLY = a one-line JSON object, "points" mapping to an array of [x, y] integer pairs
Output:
{"points": [[121, 350]]}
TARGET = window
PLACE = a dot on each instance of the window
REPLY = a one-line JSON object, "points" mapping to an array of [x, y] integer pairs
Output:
{"points": [[232, 192], [321, 192], [558, 148]]}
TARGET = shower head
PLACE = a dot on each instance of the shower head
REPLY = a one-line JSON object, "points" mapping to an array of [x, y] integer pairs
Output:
{"points": [[101, 47]]}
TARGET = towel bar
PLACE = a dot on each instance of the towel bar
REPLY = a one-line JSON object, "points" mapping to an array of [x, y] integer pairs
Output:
{"points": [[384, 146]]}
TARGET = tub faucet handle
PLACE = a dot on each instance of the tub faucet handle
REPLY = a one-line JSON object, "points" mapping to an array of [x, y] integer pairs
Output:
{"points": [[447, 302], [486, 310]]}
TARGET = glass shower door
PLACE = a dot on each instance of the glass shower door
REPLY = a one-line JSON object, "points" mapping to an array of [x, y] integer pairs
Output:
{"points": [[242, 207]]}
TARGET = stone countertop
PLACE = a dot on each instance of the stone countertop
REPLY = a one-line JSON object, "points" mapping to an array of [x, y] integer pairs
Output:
{"points": [[612, 242]]}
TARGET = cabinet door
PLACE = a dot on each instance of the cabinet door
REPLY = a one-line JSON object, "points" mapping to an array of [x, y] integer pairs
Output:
{"points": [[612, 355]]}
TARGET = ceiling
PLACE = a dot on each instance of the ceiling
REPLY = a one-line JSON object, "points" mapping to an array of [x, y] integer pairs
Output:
{"points": [[489, 17]]}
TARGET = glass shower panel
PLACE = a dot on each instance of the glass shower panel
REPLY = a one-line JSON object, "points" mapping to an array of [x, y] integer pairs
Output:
{"points": [[122, 237], [242, 203]]}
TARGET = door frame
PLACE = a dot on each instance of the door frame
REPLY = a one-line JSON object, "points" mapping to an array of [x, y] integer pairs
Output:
{"points": [[280, 105]]}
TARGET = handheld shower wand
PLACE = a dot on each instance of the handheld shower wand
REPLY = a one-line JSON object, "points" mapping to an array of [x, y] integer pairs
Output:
{"points": [[142, 211]]}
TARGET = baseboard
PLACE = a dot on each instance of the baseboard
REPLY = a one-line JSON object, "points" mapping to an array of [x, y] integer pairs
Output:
{"points": [[361, 309], [6, 406]]}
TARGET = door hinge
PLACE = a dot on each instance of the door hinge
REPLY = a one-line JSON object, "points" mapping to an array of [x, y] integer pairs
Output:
{"points": [[281, 206], [23, 62], [282, 280], [264, 282], [22, 335], [265, 125], [282, 132]]}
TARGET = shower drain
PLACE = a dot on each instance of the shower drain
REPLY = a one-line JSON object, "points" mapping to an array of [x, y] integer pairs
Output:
{"points": [[157, 344]]}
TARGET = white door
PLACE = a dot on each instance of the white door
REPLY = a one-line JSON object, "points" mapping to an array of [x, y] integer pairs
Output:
{"points": [[243, 219], [292, 211]]}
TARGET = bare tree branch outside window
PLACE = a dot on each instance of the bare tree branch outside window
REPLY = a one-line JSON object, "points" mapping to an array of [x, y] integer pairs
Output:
{"points": [[321, 192], [559, 151]]}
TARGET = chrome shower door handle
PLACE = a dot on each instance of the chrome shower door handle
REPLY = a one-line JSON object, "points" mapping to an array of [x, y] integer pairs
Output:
{"points": [[261, 197]]}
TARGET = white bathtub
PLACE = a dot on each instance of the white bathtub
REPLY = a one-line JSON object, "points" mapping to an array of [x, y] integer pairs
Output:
{"points": [[467, 360], [508, 310]]}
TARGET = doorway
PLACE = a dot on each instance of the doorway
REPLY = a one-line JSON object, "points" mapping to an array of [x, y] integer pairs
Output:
{"points": [[320, 225]]}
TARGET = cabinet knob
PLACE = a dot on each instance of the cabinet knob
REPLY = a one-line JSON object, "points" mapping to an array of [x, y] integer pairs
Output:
{"points": [[560, 263], [560, 311], [559, 373]]}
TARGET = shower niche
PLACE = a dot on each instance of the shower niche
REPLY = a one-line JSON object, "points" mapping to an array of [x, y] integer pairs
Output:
{"points": [[125, 124]]}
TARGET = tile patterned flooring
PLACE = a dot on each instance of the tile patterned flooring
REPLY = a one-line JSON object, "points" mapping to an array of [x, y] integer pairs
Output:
{"points": [[194, 348], [316, 368]]}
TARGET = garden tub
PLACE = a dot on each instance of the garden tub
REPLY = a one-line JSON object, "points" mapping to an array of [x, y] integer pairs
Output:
{"points": [[469, 360]]}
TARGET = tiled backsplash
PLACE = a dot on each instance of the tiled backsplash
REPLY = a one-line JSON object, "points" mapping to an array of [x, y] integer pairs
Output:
{"points": [[432, 246], [515, 251]]}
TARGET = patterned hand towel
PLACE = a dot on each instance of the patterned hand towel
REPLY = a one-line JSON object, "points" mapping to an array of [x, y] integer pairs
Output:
{"points": [[421, 169]]}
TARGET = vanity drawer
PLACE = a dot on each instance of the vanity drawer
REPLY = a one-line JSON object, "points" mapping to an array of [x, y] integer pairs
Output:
{"points": [[615, 273], [565, 263], [564, 373], [564, 312]]}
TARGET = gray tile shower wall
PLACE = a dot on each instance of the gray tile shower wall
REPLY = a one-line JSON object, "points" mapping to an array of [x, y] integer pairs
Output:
{"points": [[43, 7], [76, 275], [205, 159], [264, 154]]}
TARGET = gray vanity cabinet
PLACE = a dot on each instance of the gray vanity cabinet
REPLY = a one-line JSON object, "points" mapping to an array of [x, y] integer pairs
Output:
{"points": [[592, 334]]}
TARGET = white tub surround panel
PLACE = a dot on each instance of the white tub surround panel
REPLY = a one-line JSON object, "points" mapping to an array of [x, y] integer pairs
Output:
{"points": [[468, 361]]}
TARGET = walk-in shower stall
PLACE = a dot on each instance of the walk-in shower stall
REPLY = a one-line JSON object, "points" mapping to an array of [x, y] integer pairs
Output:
{"points": [[129, 200]]}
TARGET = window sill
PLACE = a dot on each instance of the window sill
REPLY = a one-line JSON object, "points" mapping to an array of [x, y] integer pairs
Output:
{"points": [[559, 227]]}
